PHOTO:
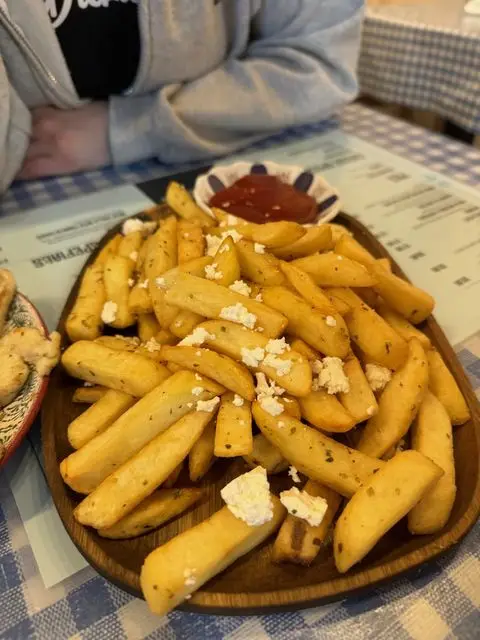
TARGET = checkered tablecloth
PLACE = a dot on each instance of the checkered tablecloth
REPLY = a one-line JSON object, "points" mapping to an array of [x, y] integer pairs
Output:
{"points": [[424, 55], [440, 601]]}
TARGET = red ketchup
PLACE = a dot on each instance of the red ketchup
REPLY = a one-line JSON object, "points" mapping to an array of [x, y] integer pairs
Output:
{"points": [[264, 198]]}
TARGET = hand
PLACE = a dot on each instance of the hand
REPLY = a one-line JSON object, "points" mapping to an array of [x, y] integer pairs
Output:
{"points": [[67, 141]]}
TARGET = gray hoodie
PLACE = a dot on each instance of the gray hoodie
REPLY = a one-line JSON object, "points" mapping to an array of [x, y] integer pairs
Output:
{"points": [[214, 75]]}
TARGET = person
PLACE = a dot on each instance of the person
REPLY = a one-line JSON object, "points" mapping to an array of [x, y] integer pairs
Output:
{"points": [[86, 83]]}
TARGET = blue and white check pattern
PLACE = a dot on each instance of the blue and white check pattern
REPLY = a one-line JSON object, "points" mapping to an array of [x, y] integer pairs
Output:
{"points": [[422, 67], [440, 601]]}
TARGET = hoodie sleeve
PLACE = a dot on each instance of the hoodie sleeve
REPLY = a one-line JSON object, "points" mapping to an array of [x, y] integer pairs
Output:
{"points": [[299, 68], [15, 124]]}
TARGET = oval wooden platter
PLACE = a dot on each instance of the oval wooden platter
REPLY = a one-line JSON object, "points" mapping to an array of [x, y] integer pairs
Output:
{"points": [[254, 583]]}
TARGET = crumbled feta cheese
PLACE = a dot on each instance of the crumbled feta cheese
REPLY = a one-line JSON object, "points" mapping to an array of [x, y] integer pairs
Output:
{"points": [[277, 347], [208, 405], [264, 388], [197, 391], [281, 366], [133, 256], [258, 248], [214, 242], [371, 410], [131, 282], [259, 329], [252, 357], [160, 282], [144, 284], [131, 225], [232, 220], [330, 321], [189, 575], [239, 314], [211, 272], [233, 234], [271, 405], [241, 287], [248, 497], [189, 405], [88, 384], [198, 377], [238, 401], [259, 297], [377, 376], [196, 338], [109, 312], [152, 345], [302, 505], [188, 596], [293, 473], [331, 375], [224, 249]]}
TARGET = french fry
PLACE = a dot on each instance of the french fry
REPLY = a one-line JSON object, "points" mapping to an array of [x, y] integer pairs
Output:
{"points": [[208, 299], [8, 288], [398, 404], [298, 541], [303, 283], [340, 305], [301, 347], [130, 245], [139, 300], [233, 432], [120, 370], [160, 507], [84, 321], [231, 339], [138, 478], [369, 331], [202, 456], [337, 231], [402, 326], [325, 412], [319, 457], [148, 326], [308, 323], [380, 503], [119, 343], [291, 406], [385, 263], [184, 323], [332, 270], [98, 417], [432, 435], [261, 268], [208, 548], [348, 247], [227, 264], [274, 234], [109, 249], [161, 257], [86, 468], [409, 301], [165, 337], [89, 395], [444, 387], [173, 477], [191, 243], [360, 401], [266, 455], [316, 239], [178, 198], [224, 370], [367, 295]]}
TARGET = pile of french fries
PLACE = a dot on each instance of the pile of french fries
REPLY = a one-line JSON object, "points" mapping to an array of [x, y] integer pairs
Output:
{"points": [[234, 332]]}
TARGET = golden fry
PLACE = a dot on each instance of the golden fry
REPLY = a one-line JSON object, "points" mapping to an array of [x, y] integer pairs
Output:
{"points": [[233, 433], [325, 412], [178, 198], [202, 456], [261, 268], [191, 243], [360, 401], [266, 455], [444, 386], [332, 270], [89, 395], [84, 321], [316, 239]]}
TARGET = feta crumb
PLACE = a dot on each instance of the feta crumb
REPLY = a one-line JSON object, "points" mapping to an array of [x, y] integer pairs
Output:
{"points": [[233, 234], [258, 248], [277, 347], [281, 366], [152, 345], [198, 377], [371, 410], [160, 282], [331, 376], [109, 312], [198, 336], [131, 225], [232, 220], [302, 505], [189, 575], [248, 497], [252, 357], [271, 405], [214, 242], [264, 388], [144, 284], [131, 282], [133, 256], [259, 329], [208, 405], [197, 391], [377, 376], [293, 473], [238, 401], [188, 596], [224, 249], [239, 314], [88, 384], [211, 272], [189, 405], [259, 297], [330, 321], [241, 287]]}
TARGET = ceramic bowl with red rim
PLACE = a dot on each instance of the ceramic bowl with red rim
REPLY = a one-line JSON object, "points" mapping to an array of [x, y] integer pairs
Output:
{"points": [[17, 417], [221, 181]]}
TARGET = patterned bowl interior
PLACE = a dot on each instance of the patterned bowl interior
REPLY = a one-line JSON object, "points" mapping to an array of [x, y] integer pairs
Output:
{"points": [[17, 417], [220, 177]]}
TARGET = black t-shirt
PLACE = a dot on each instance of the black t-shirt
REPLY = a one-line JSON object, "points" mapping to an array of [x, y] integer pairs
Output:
{"points": [[100, 40]]}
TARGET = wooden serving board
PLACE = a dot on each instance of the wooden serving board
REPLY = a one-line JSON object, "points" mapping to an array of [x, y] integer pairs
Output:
{"points": [[254, 583]]}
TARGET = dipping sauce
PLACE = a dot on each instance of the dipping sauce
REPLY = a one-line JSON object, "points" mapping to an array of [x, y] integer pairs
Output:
{"points": [[264, 198]]}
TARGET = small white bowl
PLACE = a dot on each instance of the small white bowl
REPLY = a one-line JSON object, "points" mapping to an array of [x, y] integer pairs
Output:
{"points": [[220, 177]]}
